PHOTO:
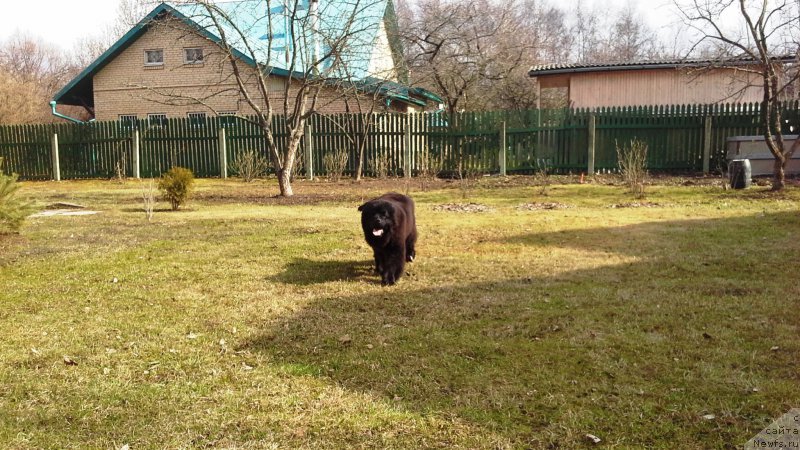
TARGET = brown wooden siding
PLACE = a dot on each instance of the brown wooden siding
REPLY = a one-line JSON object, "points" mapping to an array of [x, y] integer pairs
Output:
{"points": [[656, 87]]}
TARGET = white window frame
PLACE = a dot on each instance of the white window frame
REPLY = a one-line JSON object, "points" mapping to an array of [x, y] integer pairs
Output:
{"points": [[128, 120], [161, 117], [193, 62], [227, 117], [153, 64], [197, 118]]}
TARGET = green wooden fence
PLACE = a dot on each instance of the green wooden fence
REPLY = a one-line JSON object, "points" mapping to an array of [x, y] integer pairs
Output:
{"points": [[680, 138]]}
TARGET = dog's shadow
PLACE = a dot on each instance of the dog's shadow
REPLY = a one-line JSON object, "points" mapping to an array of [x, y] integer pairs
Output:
{"points": [[303, 271]]}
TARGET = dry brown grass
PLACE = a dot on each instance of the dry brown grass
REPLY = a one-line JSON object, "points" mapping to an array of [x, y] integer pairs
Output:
{"points": [[249, 321]]}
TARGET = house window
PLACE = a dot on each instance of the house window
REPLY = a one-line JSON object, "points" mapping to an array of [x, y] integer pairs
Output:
{"points": [[226, 118], [127, 121], [154, 57], [193, 56], [157, 120], [197, 119], [277, 84]]}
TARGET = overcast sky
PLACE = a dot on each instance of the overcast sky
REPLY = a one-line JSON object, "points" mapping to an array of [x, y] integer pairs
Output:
{"points": [[59, 22], [64, 22]]}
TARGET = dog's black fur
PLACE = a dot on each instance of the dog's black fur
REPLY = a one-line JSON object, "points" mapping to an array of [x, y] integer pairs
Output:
{"points": [[390, 229]]}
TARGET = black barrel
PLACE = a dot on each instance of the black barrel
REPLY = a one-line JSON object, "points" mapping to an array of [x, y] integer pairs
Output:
{"points": [[741, 173]]}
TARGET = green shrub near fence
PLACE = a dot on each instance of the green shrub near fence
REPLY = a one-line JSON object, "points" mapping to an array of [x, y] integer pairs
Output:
{"points": [[675, 135]]}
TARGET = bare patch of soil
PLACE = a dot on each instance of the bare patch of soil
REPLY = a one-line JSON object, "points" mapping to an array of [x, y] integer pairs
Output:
{"points": [[539, 206], [316, 192], [463, 208], [272, 199], [637, 205]]}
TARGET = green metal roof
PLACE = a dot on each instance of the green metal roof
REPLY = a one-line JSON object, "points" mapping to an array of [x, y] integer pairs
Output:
{"points": [[265, 34], [284, 38]]}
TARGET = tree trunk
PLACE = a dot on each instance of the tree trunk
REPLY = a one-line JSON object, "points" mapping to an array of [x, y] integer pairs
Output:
{"points": [[285, 183], [360, 162], [285, 172], [779, 178]]}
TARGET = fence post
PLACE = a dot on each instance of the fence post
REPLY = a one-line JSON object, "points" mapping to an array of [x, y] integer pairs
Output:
{"points": [[136, 162], [223, 153], [707, 145], [502, 149], [592, 135], [56, 165], [309, 159], [407, 148]]}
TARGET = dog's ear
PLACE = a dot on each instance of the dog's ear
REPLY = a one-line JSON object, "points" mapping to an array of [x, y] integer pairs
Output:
{"points": [[361, 208]]}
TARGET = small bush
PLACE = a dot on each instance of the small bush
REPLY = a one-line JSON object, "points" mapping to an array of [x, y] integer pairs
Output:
{"points": [[149, 199], [542, 174], [429, 167], [12, 210], [176, 184], [380, 166], [632, 162], [335, 163], [467, 175], [121, 168], [249, 165]]}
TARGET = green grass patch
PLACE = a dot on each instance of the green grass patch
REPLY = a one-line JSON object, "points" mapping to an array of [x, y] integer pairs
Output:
{"points": [[249, 321]]}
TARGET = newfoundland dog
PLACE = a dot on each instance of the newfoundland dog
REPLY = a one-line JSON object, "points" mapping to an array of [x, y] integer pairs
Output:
{"points": [[390, 229]]}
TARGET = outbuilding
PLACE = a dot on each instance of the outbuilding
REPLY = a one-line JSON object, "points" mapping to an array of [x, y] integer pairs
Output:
{"points": [[675, 82]]}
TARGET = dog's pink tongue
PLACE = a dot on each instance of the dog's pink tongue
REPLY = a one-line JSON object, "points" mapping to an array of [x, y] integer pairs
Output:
{"points": [[377, 232]]}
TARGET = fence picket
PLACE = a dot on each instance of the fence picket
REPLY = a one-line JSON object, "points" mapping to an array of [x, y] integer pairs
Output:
{"points": [[555, 138]]}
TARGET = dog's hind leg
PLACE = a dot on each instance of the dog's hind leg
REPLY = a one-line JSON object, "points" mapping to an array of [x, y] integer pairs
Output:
{"points": [[411, 242]]}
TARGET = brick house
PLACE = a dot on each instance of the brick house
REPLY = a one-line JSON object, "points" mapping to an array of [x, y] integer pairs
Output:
{"points": [[171, 64], [652, 82]]}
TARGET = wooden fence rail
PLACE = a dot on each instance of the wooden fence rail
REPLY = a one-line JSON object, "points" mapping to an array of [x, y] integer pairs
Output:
{"points": [[679, 137]]}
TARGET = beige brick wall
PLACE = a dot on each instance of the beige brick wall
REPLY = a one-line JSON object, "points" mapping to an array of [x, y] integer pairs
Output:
{"points": [[126, 86]]}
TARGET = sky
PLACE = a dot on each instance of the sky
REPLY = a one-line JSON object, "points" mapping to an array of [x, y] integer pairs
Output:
{"points": [[58, 22], [65, 22]]}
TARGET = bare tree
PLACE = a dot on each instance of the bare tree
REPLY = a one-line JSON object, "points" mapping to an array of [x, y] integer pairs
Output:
{"points": [[631, 39], [32, 72], [305, 51], [457, 47], [359, 122], [540, 31], [585, 31], [612, 36], [764, 31], [18, 100]]}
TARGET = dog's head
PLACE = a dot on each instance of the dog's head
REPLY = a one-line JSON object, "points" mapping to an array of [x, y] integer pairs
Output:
{"points": [[377, 219]]}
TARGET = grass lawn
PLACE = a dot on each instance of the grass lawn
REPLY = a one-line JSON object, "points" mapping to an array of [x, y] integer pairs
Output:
{"points": [[246, 321]]}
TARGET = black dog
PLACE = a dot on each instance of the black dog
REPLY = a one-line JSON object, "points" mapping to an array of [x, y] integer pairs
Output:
{"points": [[390, 229]]}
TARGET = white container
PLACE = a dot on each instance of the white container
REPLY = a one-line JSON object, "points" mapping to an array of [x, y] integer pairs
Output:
{"points": [[762, 161]]}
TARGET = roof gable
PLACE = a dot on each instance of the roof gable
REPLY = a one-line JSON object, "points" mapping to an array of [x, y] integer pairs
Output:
{"points": [[79, 90], [267, 36]]}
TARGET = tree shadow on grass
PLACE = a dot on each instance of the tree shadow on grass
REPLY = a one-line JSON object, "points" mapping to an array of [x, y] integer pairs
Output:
{"points": [[304, 272], [635, 353]]}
